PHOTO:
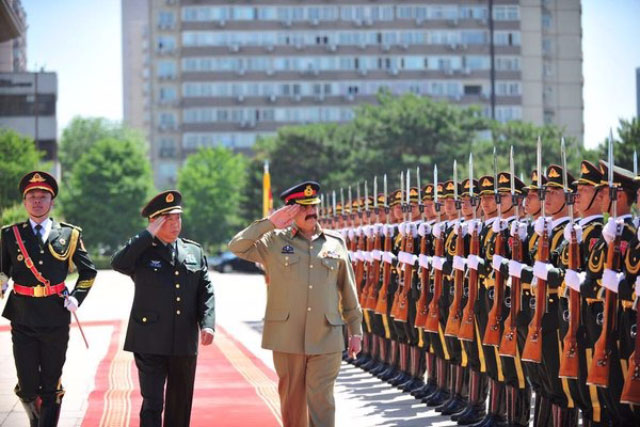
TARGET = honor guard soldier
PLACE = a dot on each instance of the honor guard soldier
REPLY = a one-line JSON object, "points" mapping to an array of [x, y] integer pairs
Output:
{"points": [[173, 306], [38, 254], [310, 296]]}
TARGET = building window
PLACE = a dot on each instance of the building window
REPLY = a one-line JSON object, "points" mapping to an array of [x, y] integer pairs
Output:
{"points": [[166, 19], [166, 44], [167, 148], [546, 46], [546, 21], [167, 93], [472, 89], [167, 69]]}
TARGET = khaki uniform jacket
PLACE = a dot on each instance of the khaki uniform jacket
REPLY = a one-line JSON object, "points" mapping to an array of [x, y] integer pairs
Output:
{"points": [[311, 288]]}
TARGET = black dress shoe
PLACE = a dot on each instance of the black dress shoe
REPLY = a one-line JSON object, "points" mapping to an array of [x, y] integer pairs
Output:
{"points": [[463, 412], [401, 378], [455, 405], [474, 416], [378, 369], [388, 374], [369, 365], [424, 391], [437, 398], [412, 384], [490, 420]]}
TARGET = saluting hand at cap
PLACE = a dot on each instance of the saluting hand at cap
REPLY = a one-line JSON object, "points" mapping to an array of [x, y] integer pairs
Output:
{"points": [[283, 217], [154, 226]]}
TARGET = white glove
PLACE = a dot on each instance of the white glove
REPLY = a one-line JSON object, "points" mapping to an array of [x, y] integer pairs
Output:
{"points": [[519, 228], [461, 228], [359, 255], [438, 229], [388, 257], [499, 225], [611, 279], [351, 233], [497, 261], [515, 269], [459, 262], [359, 231], [475, 225], [376, 254], [567, 232], [368, 231], [638, 232], [345, 233], [388, 230], [71, 304], [424, 229], [473, 261], [401, 227], [368, 257], [413, 229], [573, 279], [407, 258], [637, 287], [437, 262], [541, 270], [376, 229], [612, 229], [424, 261], [540, 225]]}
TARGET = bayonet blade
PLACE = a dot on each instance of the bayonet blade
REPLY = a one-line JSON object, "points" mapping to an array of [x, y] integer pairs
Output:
{"points": [[384, 183], [366, 196], [539, 161], [471, 174], [375, 192]]}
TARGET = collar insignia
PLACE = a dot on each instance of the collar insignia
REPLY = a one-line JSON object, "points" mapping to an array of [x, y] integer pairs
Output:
{"points": [[287, 249]]}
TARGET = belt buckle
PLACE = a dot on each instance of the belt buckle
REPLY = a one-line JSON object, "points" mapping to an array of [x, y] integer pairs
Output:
{"points": [[39, 291]]}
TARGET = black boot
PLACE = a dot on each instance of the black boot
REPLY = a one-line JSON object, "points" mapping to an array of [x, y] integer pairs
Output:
{"points": [[32, 408], [543, 411], [564, 417], [442, 393], [496, 403], [518, 406], [459, 402], [49, 415], [475, 410]]}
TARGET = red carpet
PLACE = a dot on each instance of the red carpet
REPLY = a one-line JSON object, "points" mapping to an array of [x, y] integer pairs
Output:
{"points": [[232, 388]]}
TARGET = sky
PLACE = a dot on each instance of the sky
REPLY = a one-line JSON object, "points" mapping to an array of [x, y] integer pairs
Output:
{"points": [[81, 40]]}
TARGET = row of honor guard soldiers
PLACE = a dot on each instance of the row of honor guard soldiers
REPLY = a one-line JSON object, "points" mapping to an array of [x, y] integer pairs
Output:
{"points": [[488, 297]]}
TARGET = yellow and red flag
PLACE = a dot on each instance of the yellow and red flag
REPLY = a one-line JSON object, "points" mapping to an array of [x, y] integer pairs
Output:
{"points": [[267, 197]]}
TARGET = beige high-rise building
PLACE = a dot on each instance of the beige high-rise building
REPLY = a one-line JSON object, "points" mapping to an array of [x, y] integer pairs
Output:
{"points": [[13, 36], [210, 72]]}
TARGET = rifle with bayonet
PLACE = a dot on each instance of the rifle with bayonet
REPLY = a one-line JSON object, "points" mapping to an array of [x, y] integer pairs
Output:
{"points": [[369, 243], [433, 318], [467, 325], [422, 305], [383, 293], [402, 310], [493, 331], [601, 362], [372, 294], [403, 245], [569, 358], [509, 342], [452, 326], [360, 244], [532, 351]]}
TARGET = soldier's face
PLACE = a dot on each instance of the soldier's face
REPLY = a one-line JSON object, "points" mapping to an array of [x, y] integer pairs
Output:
{"points": [[450, 208], [397, 212], [307, 217], [467, 209], [506, 204], [488, 205], [38, 203], [554, 200], [532, 203], [430, 209], [584, 197], [415, 212], [382, 214], [171, 227]]}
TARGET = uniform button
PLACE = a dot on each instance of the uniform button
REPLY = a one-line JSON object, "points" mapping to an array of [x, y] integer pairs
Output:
{"points": [[310, 265], [41, 251], [40, 262], [286, 258], [310, 286], [310, 247], [144, 320], [178, 312], [178, 299], [308, 308], [177, 285], [286, 264], [177, 272]]}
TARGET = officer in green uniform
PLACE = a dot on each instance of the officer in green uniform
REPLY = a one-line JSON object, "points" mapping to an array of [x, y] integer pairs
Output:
{"points": [[173, 306], [310, 296], [37, 254]]}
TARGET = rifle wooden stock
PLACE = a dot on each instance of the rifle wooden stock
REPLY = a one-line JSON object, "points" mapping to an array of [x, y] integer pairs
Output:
{"points": [[372, 295], [383, 297], [468, 323], [601, 362], [532, 351], [452, 327], [368, 275], [509, 343], [359, 270], [569, 358], [492, 333], [402, 310], [433, 317], [631, 389], [396, 298], [422, 305]]}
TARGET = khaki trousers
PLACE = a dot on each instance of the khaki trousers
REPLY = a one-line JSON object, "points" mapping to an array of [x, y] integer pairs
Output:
{"points": [[305, 386]]}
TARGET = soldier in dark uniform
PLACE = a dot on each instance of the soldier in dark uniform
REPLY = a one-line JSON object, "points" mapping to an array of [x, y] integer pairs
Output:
{"points": [[37, 254], [173, 302]]}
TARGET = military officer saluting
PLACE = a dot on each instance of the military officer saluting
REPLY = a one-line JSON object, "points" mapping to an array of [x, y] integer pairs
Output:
{"points": [[173, 303], [310, 295], [37, 254]]}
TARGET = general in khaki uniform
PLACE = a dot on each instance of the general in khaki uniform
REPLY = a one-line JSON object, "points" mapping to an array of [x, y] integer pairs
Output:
{"points": [[173, 300], [38, 254], [310, 295]]}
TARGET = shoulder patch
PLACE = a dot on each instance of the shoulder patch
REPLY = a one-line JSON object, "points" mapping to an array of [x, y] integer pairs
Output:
{"points": [[8, 226], [333, 233], [192, 242], [66, 224]]}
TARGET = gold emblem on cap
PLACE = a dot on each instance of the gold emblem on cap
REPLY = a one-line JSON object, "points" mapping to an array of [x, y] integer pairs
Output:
{"points": [[486, 182], [584, 168], [20, 257], [534, 176], [413, 192], [467, 184], [503, 179], [450, 186], [399, 195], [169, 198], [308, 192], [553, 173], [429, 189], [439, 188], [37, 178]]}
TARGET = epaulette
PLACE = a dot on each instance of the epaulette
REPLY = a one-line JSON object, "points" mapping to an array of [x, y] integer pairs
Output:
{"points": [[192, 242], [334, 233], [6, 228], [66, 224]]}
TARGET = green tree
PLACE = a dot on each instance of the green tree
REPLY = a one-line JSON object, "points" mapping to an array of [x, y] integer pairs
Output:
{"points": [[211, 182], [106, 190], [627, 143], [18, 155], [83, 132]]}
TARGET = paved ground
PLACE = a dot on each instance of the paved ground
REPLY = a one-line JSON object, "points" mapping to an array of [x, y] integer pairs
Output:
{"points": [[362, 400]]}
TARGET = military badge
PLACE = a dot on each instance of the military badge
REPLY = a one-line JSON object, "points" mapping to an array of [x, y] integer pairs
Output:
{"points": [[287, 249], [330, 254], [190, 259], [19, 257], [592, 242], [155, 263], [62, 241]]}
